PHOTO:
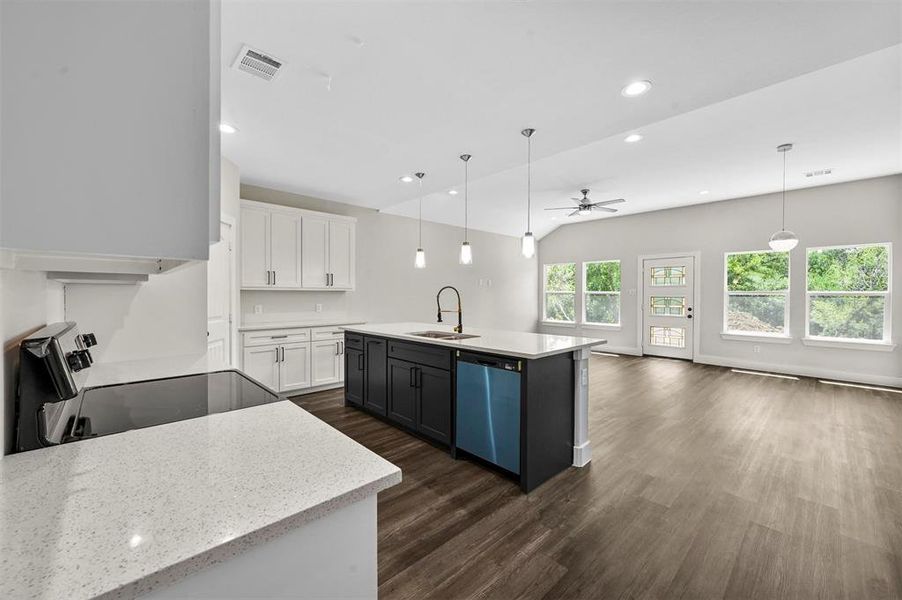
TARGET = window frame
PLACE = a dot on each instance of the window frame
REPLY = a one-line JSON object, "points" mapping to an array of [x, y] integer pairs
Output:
{"points": [[886, 339], [728, 333], [585, 295], [545, 293]]}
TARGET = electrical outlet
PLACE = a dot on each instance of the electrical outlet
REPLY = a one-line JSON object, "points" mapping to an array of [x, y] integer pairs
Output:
{"points": [[488, 282], [319, 308], [632, 292], [756, 349], [258, 309]]}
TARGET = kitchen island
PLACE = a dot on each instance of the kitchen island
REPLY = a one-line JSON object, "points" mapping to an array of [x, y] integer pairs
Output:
{"points": [[513, 401], [265, 501]]}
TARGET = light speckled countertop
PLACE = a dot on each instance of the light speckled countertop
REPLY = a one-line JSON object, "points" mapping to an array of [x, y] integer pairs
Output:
{"points": [[506, 343], [120, 515]]}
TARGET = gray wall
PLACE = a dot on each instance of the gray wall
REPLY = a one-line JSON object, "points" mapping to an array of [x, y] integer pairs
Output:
{"points": [[848, 213], [390, 289]]}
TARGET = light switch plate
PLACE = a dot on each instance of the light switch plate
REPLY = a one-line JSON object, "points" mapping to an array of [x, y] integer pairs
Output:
{"points": [[319, 308], [258, 309]]}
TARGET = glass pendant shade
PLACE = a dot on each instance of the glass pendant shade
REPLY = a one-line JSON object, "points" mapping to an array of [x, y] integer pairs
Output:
{"points": [[528, 245], [466, 254], [420, 261], [783, 241]]}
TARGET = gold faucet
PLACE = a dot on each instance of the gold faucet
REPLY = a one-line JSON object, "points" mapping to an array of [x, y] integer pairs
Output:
{"points": [[459, 311]]}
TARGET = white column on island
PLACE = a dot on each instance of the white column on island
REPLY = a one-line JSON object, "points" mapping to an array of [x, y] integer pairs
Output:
{"points": [[582, 450]]}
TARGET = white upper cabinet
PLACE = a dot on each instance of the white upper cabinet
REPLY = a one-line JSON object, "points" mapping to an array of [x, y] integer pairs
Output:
{"points": [[316, 252], [110, 144], [286, 248], [255, 247], [341, 254]]}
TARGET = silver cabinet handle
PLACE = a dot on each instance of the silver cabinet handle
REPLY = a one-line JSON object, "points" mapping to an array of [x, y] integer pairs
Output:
{"points": [[274, 278], [267, 278], [282, 348], [277, 354], [278, 337]]}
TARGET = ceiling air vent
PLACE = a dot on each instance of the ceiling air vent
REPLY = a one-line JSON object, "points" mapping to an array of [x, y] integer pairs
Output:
{"points": [[260, 64], [818, 173]]}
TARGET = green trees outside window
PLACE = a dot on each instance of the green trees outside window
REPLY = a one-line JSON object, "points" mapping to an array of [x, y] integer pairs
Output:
{"points": [[602, 292], [848, 292], [757, 293], [560, 292]]}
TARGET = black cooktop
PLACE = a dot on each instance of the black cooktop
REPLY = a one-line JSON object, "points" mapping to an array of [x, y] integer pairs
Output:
{"points": [[115, 408]]}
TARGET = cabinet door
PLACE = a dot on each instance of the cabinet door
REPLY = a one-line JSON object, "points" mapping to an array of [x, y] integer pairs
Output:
{"points": [[341, 254], [402, 392], [254, 247], [294, 370], [315, 244], [326, 362], [285, 250], [434, 403], [262, 363], [375, 392], [354, 377]]}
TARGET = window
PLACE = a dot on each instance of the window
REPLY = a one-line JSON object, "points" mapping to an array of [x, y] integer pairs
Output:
{"points": [[848, 293], [668, 275], [560, 292], [601, 281], [757, 293]]}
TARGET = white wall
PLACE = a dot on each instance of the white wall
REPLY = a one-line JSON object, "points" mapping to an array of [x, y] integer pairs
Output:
{"points": [[28, 301], [847, 213], [390, 289]]}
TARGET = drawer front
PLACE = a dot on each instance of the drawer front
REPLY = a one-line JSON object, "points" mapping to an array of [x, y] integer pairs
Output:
{"points": [[354, 340], [421, 354], [326, 333], [275, 336]]}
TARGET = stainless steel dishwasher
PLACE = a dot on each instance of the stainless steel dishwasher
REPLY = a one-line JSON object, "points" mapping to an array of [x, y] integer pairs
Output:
{"points": [[488, 409]]}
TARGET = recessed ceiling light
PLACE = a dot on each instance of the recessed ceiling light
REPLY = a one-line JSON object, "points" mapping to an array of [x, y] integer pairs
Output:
{"points": [[452, 192], [406, 178], [636, 88], [703, 193], [226, 128], [633, 137]]}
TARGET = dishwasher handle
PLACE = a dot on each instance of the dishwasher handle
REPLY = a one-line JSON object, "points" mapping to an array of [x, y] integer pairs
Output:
{"points": [[493, 362]]}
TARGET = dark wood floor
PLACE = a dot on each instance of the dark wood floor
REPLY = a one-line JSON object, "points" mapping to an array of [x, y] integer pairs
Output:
{"points": [[704, 484]]}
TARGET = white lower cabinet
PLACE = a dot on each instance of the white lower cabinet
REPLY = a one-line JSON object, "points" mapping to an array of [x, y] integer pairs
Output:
{"points": [[327, 362], [262, 363], [286, 360], [294, 368]]}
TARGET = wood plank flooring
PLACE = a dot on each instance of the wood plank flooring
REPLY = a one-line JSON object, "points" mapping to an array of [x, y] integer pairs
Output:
{"points": [[703, 484]]}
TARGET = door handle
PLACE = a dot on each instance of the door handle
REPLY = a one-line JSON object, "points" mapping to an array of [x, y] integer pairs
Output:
{"points": [[267, 278], [688, 316], [274, 278], [278, 337], [360, 362], [419, 377], [413, 377], [277, 354]]}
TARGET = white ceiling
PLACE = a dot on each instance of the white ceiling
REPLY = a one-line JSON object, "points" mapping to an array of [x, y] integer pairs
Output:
{"points": [[413, 85]]}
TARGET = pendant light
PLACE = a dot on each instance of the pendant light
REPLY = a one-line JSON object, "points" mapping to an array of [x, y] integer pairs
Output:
{"points": [[466, 252], [528, 242], [420, 260], [784, 240]]}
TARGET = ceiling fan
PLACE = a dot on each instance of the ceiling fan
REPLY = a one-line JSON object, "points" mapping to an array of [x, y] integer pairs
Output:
{"points": [[585, 207]]}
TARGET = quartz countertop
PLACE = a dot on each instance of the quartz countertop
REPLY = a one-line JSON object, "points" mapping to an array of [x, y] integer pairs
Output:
{"points": [[124, 514], [325, 322], [507, 343]]}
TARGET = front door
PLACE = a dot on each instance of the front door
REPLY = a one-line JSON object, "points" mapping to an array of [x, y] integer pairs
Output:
{"points": [[668, 300]]}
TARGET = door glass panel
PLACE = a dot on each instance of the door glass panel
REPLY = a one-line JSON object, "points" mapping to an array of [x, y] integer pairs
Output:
{"points": [[668, 275], [672, 337], [668, 306]]}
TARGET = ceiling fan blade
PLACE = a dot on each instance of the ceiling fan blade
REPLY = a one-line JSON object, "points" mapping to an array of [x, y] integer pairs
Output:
{"points": [[561, 208], [577, 199], [575, 212], [605, 209], [606, 202]]}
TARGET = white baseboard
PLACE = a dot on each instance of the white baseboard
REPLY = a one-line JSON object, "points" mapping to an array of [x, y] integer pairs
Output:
{"points": [[310, 390], [582, 454], [786, 369], [630, 350]]}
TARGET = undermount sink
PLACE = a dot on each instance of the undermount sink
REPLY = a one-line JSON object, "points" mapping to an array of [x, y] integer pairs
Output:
{"points": [[443, 335]]}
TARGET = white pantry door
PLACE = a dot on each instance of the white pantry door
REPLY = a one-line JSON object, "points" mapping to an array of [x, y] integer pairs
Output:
{"points": [[668, 299], [219, 296]]}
